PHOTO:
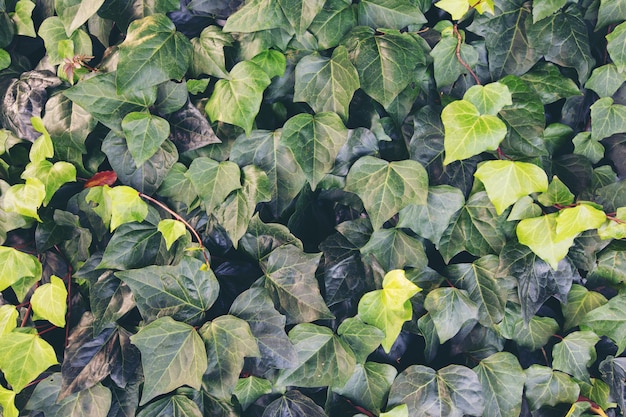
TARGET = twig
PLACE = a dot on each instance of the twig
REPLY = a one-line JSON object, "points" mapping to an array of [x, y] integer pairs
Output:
{"points": [[459, 42]]}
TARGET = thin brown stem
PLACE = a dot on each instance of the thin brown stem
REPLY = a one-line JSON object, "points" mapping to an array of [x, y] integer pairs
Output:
{"points": [[459, 42], [180, 219]]}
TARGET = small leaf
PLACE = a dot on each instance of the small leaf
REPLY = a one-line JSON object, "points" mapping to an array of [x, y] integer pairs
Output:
{"points": [[173, 405], [450, 308], [580, 301], [507, 181], [614, 229], [23, 356], [126, 205], [144, 135], [389, 307], [250, 389], [208, 52], [607, 118], [25, 199], [545, 386], [401, 410], [172, 355], [587, 147], [606, 80], [76, 13], [23, 18], [456, 8], [609, 320], [539, 234], [49, 301], [615, 46], [15, 265], [213, 180], [171, 230], [468, 133], [53, 176], [7, 401], [575, 354], [362, 338], [556, 194], [573, 220], [490, 98], [272, 62], [502, 379], [101, 178]]}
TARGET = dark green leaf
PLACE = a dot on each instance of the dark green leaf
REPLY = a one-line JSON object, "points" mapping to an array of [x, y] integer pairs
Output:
{"points": [[213, 180], [392, 14], [294, 404], [362, 338], [580, 301], [447, 67], [609, 320], [369, 385], [575, 353], [532, 334], [450, 308], [614, 373], [144, 135], [546, 80], [173, 405], [190, 129], [502, 379], [394, 249], [133, 245], [125, 11], [545, 386], [331, 24]]}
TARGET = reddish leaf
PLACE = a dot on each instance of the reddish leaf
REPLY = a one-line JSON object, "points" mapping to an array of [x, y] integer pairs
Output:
{"points": [[101, 178]]}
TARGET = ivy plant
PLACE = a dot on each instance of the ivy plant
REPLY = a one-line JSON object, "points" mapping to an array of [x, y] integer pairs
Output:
{"points": [[312, 208]]}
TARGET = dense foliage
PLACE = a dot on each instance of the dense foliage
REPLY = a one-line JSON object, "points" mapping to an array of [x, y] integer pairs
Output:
{"points": [[312, 207]]}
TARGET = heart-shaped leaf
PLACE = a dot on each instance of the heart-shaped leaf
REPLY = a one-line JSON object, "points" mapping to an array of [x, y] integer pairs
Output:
{"points": [[490, 98], [450, 308], [608, 319], [144, 134], [615, 46], [23, 356], [539, 234], [502, 379], [49, 301], [545, 386]]}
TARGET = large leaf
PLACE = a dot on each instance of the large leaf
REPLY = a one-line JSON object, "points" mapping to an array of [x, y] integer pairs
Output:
{"points": [[315, 142], [450, 308], [208, 52], [290, 279], [452, 391], [540, 235], [257, 15], [334, 21], [23, 356], [575, 353], [228, 340], [394, 249], [326, 84], [172, 355], [545, 386], [323, 358], [59, 45], [387, 187], [184, 291], [580, 301], [384, 61], [549, 84], [213, 180], [15, 265], [369, 385], [75, 13], [151, 42], [608, 320], [607, 118], [49, 301], [502, 379]]}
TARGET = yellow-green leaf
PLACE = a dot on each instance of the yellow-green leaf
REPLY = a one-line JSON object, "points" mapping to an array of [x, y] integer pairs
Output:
{"points": [[539, 234], [15, 265], [456, 8], [171, 230], [616, 227], [490, 98], [49, 302], [25, 199], [7, 401], [8, 318], [23, 357], [508, 181], [42, 147], [118, 205], [53, 176], [574, 220]]}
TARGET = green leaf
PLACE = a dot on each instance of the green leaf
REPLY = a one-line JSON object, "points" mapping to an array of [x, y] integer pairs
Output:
{"points": [[489, 99], [123, 204], [75, 13], [42, 147], [556, 194], [507, 181], [172, 355], [25, 199], [524, 208], [213, 180], [456, 8], [255, 16], [468, 133], [53, 34], [615, 46], [573, 220], [389, 307], [392, 14], [151, 42], [23, 18], [184, 291], [315, 142], [502, 379], [249, 389], [23, 356], [5, 59], [227, 340], [387, 187], [450, 308], [7, 401], [587, 147], [384, 62], [272, 62], [401, 410], [580, 301], [369, 385], [332, 23], [300, 13], [545, 386], [326, 84], [290, 280], [15, 265], [610, 12], [453, 390], [362, 338], [323, 358], [546, 80], [293, 403], [53, 176], [208, 52], [575, 354], [92, 402], [49, 301], [546, 8], [540, 235], [171, 230], [606, 80], [8, 318], [613, 373], [237, 99], [607, 118], [447, 67], [394, 249], [144, 135], [608, 320], [173, 405]]}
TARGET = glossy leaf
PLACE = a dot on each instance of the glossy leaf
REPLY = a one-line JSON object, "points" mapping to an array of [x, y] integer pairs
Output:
{"points": [[208, 52], [613, 372], [450, 308], [53, 32], [574, 220], [118, 205], [213, 180], [15, 265], [580, 301], [575, 353], [502, 379], [389, 14], [23, 356], [615, 46], [540, 235], [447, 67], [172, 355], [369, 385], [489, 99], [394, 249], [76, 13], [49, 301], [144, 135], [256, 16], [362, 338], [608, 320], [174, 405], [293, 403], [387, 187], [333, 22], [607, 118], [545, 386], [92, 402]]}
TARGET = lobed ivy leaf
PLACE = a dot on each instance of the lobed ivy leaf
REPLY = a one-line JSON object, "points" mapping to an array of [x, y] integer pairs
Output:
{"points": [[22, 18], [92, 402], [502, 379], [362, 338], [575, 354], [606, 80], [580, 301], [300, 13], [507, 181], [59, 45], [119, 205], [7, 401], [615, 46], [133, 245], [49, 301], [213, 180], [369, 385], [387, 187], [23, 356], [149, 42], [556, 194], [144, 133], [256, 16], [540, 235], [614, 229], [490, 98], [75, 13], [172, 355], [549, 84], [613, 372], [333, 22], [293, 403], [610, 12], [574, 220], [446, 66], [587, 147], [249, 389], [173, 405], [16, 265], [171, 230], [394, 249], [53, 176], [389, 14], [450, 308], [208, 52], [545, 386], [25, 199], [608, 320], [607, 118]]}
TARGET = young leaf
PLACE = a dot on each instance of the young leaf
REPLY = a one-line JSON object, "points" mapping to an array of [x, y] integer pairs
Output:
{"points": [[545, 386], [507, 181], [323, 358], [42, 146], [557, 193], [15, 265], [539, 234], [607, 118], [387, 187], [490, 98], [573, 220], [172, 355], [389, 307], [609, 320], [23, 356], [49, 301], [126, 205], [468, 133], [150, 43], [25, 199], [53, 176], [575, 354], [7, 401], [502, 379], [144, 135], [249, 389], [8, 318], [171, 230], [237, 99], [450, 308], [369, 385], [5, 59]]}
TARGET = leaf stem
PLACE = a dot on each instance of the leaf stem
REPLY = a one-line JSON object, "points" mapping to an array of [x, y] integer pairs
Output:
{"points": [[459, 42], [180, 219]]}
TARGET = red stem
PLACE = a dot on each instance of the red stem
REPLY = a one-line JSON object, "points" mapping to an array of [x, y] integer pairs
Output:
{"points": [[458, 54]]}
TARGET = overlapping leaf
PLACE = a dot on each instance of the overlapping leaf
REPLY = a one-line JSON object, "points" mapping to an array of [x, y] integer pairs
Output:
{"points": [[389, 14], [369, 385], [545, 386], [502, 379], [608, 320], [23, 356]]}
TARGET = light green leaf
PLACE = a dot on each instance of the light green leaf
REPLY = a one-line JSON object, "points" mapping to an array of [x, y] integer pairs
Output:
{"points": [[389, 307], [208, 52], [369, 385], [606, 80], [609, 320], [502, 379], [315, 142], [257, 15], [490, 98], [539, 234], [8, 318], [616, 46], [573, 220], [125, 204], [387, 187], [524, 208], [213, 180], [607, 118], [5, 59], [611, 11], [144, 133], [468, 133], [25, 199], [401, 410], [250, 389], [334, 21], [227, 340], [456, 8], [23, 356], [49, 301], [75, 13], [300, 13], [42, 147], [172, 355], [274, 63], [7, 401], [323, 358], [362, 338], [614, 229], [450, 308], [237, 99], [23, 18], [150, 42], [171, 230], [507, 181], [53, 176], [575, 353], [545, 386], [545, 8], [584, 145], [53, 34], [326, 84], [580, 301], [393, 14], [556, 194]]}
